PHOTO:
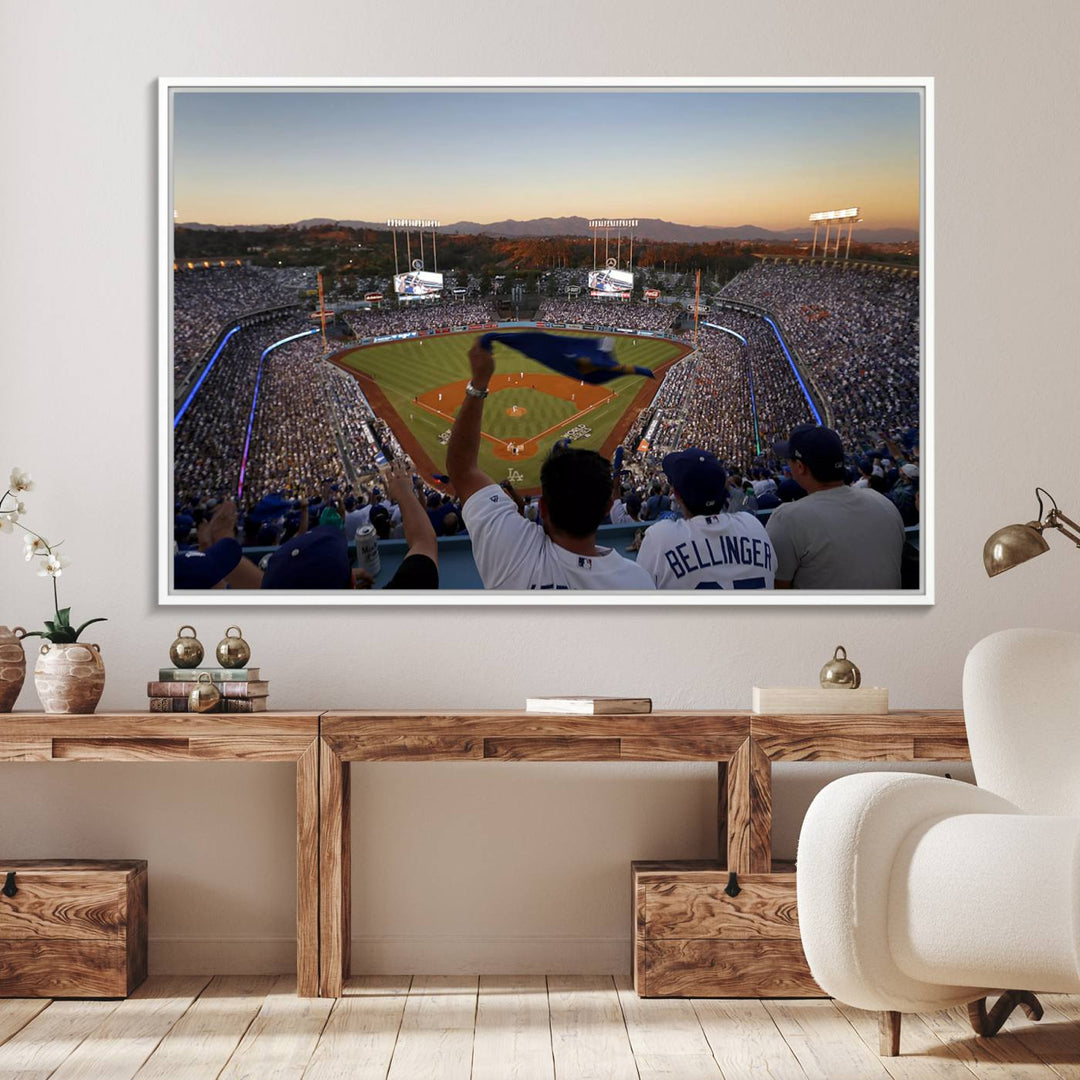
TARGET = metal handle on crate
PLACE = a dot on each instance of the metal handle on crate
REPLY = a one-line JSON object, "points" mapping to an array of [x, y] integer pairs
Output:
{"points": [[9, 884], [732, 887]]}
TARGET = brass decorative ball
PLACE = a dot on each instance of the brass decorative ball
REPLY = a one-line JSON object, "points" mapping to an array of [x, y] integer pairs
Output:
{"points": [[186, 652], [233, 652]]}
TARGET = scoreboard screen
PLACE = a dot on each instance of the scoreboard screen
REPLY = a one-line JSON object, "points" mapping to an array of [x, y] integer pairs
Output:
{"points": [[610, 281], [418, 283]]}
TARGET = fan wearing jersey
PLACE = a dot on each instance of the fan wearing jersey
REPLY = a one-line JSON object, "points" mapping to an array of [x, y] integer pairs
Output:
{"points": [[512, 552], [707, 548]]}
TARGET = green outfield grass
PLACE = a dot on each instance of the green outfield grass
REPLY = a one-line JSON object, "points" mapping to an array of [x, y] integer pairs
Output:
{"points": [[407, 369]]}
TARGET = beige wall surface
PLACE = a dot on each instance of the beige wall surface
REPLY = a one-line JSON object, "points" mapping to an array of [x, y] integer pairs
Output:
{"points": [[494, 867]]}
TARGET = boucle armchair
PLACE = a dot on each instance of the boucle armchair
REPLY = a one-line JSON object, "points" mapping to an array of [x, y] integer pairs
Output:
{"points": [[918, 893]]}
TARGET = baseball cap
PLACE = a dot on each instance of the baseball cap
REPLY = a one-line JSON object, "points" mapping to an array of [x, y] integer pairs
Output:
{"points": [[318, 559], [204, 569], [818, 448], [910, 470], [698, 478]]}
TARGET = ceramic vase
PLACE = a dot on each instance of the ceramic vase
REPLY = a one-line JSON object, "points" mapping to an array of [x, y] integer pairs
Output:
{"points": [[12, 666], [69, 678]]}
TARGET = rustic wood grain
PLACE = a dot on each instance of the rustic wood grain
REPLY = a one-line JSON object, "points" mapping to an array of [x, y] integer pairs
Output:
{"points": [[307, 871], [200, 1043], [120, 749], [334, 873], [358, 1041], [16, 1013], [137, 930], [728, 968], [678, 747], [764, 908], [63, 904], [749, 810], [248, 747], [40, 1048], [37, 967], [824, 1042], [25, 749], [722, 812], [132, 1031], [552, 748], [140, 725], [941, 748], [417, 747]]}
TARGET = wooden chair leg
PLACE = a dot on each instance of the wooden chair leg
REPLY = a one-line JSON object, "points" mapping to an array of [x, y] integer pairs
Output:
{"points": [[988, 1024], [889, 1033]]}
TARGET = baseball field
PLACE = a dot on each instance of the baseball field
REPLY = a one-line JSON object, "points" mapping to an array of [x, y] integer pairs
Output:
{"points": [[417, 385]]}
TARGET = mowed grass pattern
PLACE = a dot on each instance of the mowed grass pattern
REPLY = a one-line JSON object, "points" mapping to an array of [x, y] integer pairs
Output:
{"points": [[406, 369]]}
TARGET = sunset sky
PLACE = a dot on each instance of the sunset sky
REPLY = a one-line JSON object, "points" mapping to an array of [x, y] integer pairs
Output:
{"points": [[697, 157]]}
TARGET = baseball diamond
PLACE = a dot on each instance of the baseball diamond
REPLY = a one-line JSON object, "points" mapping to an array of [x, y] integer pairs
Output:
{"points": [[417, 385]]}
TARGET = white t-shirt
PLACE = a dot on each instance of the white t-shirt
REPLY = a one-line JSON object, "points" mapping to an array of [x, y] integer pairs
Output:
{"points": [[620, 515], [714, 551], [513, 553]]}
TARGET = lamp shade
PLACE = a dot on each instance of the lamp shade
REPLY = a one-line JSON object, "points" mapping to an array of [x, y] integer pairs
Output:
{"points": [[1012, 545]]}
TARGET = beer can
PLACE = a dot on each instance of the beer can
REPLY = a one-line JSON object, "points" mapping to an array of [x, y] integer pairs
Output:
{"points": [[367, 550]]}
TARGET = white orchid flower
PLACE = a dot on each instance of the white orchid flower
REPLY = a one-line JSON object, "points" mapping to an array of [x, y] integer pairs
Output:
{"points": [[20, 481], [7, 520], [54, 565], [34, 545]]}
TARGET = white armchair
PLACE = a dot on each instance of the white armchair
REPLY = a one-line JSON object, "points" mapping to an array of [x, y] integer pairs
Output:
{"points": [[918, 893]]}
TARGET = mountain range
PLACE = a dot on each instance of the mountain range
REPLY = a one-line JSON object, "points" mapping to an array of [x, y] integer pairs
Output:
{"points": [[654, 229]]}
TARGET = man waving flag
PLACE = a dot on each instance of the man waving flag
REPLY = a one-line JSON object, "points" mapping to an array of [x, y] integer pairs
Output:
{"points": [[587, 359]]}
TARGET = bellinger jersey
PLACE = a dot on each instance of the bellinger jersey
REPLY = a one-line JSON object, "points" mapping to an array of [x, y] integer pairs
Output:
{"points": [[512, 552], [715, 551]]}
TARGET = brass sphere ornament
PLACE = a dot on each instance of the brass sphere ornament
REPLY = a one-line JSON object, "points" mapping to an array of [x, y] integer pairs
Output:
{"points": [[233, 652], [204, 695], [186, 652], [840, 673]]}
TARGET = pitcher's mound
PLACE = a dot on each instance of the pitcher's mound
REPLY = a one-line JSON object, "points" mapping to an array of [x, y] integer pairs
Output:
{"points": [[516, 410]]}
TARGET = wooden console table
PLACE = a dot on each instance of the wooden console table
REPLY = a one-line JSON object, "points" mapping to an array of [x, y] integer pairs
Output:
{"points": [[260, 737], [743, 745]]}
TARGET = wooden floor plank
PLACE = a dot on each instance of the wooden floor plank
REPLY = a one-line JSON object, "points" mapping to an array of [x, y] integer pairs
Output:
{"points": [[436, 1036], [358, 1041], [280, 1041], [204, 1038], [117, 1048], [513, 1029], [665, 1036], [40, 1048], [16, 1013], [825, 1044], [1056, 1038], [1004, 1057], [588, 1033], [745, 1042], [923, 1056]]}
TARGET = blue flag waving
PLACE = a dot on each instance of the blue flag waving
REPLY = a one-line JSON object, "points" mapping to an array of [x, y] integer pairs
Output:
{"points": [[587, 359]]}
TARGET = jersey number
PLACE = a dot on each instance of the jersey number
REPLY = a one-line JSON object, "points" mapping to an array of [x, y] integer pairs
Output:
{"points": [[741, 583]]}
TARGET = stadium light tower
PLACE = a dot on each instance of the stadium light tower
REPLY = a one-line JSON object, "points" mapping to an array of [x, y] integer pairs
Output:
{"points": [[408, 224], [596, 224], [842, 217]]}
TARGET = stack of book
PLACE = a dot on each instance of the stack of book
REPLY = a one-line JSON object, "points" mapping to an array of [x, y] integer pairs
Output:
{"points": [[241, 689]]}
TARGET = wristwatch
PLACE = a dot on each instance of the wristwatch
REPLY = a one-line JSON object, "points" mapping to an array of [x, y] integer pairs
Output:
{"points": [[473, 392]]}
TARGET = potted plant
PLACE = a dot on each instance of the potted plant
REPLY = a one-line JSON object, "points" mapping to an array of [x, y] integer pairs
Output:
{"points": [[69, 674]]}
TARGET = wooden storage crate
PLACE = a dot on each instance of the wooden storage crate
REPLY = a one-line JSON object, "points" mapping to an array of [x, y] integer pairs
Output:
{"points": [[72, 928], [691, 939]]}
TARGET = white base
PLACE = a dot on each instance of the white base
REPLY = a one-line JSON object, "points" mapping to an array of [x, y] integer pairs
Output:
{"points": [[412, 954]]}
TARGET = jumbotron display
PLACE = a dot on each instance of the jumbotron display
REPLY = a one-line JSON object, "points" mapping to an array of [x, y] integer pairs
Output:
{"points": [[608, 281], [418, 283]]}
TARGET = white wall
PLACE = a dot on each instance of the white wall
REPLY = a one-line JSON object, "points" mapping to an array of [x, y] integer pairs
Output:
{"points": [[494, 867]]}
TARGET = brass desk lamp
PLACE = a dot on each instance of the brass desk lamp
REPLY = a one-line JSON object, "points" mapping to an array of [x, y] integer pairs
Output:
{"points": [[1014, 544]]}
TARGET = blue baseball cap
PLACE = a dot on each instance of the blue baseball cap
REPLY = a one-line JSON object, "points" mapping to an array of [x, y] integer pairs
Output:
{"points": [[204, 569], [698, 479], [318, 559], [820, 449]]}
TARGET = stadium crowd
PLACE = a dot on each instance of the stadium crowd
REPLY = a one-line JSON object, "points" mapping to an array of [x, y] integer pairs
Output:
{"points": [[204, 301], [731, 443], [420, 315], [626, 314]]}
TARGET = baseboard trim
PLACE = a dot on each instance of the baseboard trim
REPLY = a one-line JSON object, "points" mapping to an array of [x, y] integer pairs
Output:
{"points": [[430, 954]]}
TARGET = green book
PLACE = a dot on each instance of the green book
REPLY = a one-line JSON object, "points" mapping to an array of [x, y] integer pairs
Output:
{"points": [[217, 674]]}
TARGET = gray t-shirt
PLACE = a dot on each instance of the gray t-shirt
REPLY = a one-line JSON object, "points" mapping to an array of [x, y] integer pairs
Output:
{"points": [[839, 538]]}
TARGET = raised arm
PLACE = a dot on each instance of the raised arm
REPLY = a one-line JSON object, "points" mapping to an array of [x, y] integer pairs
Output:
{"points": [[419, 533], [463, 450]]}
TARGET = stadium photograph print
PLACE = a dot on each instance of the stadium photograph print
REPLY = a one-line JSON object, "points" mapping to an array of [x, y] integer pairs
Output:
{"points": [[546, 341]]}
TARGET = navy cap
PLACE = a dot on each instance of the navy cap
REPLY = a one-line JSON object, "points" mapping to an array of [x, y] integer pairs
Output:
{"points": [[818, 448], [318, 559], [204, 569], [698, 479]]}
